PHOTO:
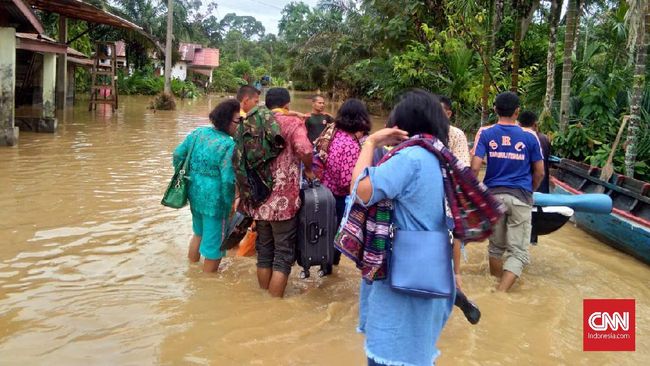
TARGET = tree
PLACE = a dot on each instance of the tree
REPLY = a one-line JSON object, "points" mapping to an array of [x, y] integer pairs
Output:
{"points": [[248, 26], [567, 66], [524, 10], [496, 13], [554, 19], [642, 38], [168, 47]]}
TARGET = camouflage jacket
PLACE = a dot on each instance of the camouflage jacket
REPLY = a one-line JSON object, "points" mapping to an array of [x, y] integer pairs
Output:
{"points": [[258, 142]]}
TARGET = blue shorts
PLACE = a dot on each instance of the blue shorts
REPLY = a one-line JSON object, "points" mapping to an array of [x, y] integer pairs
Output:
{"points": [[212, 231]]}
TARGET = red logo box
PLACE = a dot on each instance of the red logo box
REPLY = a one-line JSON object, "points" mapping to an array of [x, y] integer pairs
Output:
{"points": [[608, 325]]}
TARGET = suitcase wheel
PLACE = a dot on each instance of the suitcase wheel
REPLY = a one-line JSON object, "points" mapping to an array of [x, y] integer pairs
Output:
{"points": [[304, 274], [322, 273]]}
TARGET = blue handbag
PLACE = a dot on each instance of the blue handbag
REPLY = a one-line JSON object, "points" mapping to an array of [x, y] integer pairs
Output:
{"points": [[421, 263]]}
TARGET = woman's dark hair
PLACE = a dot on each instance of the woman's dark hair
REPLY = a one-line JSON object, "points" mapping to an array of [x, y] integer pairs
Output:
{"points": [[353, 117], [277, 98], [221, 115], [419, 111]]}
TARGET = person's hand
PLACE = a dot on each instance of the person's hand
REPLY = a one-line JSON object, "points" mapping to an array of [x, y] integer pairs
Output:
{"points": [[387, 137], [309, 174]]}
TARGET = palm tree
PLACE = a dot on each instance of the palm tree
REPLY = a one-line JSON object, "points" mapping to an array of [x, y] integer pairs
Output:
{"points": [[567, 66], [554, 19], [168, 47], [524, 10], [641, 27], [496, 10]]}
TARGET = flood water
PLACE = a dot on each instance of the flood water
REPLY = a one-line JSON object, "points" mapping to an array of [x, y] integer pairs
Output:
{"points": [[93, 270]]}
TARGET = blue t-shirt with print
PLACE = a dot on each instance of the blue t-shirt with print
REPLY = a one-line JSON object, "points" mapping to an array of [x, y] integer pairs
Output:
{"points": [[510, 152]]}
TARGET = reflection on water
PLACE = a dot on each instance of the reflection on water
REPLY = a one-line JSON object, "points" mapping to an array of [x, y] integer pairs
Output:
{"points": [[93, 269]]}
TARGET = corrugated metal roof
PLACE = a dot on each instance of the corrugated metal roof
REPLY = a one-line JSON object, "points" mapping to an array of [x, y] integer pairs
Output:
{"points": [[21, 13], [120, 49], [205, 57], [187, 51], [77, 9]]}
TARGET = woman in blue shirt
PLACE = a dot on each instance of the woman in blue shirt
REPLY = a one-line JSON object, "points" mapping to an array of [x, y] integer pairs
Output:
{"points": [[402, 329], [212, 182]]}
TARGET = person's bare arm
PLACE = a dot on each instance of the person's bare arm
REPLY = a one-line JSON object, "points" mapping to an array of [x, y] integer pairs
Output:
{"points": [[307, 160], [477, 162], [383, 137], [538, 174]]}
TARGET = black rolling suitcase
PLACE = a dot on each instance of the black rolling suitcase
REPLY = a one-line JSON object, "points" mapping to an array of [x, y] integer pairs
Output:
{"points": [[316, 229]]}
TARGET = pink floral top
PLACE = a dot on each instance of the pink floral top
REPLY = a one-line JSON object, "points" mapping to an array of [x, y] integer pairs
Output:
{"points": [[342, 155], [284, 201]]}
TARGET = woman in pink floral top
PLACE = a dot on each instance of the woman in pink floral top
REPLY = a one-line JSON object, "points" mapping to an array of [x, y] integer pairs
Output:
{"points": [[352, 124]]}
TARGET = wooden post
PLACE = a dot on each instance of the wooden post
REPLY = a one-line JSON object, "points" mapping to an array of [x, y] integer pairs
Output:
{"points": [[8, 130], [49, 84], [62, 66]]}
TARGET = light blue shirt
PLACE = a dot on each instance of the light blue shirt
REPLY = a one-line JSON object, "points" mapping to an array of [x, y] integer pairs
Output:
{"points": [[402, 329]]}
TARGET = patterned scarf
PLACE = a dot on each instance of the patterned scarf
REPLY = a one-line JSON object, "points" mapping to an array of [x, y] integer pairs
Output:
{"points": [[365, 236]]}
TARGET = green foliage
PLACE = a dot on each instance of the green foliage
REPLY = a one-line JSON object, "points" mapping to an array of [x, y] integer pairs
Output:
{"points": [[223, 80], [185, 89], [144, 83]]}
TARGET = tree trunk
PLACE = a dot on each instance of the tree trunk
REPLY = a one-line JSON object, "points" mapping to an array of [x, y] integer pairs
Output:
{"points": [[168, 47], [516, 48], [525, 22], [643, 38], [567, 67], [496, 7], [554, 19]]}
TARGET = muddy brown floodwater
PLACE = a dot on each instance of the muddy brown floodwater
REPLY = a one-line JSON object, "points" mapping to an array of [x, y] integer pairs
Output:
{"points": [[93, 270]]}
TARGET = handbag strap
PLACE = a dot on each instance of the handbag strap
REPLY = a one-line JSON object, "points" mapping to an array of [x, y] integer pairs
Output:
{"points": [[186, 163], [353, 196]]}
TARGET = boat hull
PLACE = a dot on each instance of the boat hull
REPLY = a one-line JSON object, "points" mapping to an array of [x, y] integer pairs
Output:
{"points": [[616, 230]]}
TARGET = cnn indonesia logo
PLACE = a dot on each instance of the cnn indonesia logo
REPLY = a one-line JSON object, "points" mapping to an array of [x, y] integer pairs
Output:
{"points": [[608, 325]]}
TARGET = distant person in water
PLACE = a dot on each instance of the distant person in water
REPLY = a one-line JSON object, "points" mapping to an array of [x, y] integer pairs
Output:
{"points": [[459, 147], [317, 120], [528, 119], [212, 191], [515, 169]]}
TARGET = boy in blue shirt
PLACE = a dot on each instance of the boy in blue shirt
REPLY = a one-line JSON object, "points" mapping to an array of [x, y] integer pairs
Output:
{"points": [[515, 168]]}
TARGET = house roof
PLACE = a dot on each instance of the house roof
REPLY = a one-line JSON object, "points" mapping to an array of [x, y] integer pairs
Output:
{"points": [[77, 9], [40, 43], [120, 49], [187, 51], [20, 16], [205, 58]]}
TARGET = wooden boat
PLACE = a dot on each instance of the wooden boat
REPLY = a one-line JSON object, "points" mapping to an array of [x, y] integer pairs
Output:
{"points": [[627, 228]]}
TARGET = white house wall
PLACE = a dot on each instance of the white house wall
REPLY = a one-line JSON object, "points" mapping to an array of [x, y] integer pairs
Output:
{"points": [[179, 71]]}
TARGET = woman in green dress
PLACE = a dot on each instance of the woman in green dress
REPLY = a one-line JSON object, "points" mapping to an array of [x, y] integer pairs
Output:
{"points": [[212, 182]]}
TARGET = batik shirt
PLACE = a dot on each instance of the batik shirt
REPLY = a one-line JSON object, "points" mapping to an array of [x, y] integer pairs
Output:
{"points": [[342, 156], [284, 201]]}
